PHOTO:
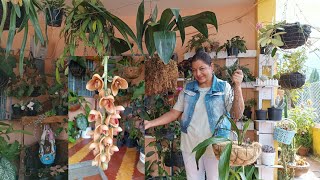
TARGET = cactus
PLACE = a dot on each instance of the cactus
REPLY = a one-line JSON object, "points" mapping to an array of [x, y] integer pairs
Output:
{"points": [[268, 149], [279, 103]]}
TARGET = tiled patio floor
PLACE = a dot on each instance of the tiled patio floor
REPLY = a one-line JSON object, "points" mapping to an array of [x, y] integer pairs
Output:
{"points": [[121, 167]]}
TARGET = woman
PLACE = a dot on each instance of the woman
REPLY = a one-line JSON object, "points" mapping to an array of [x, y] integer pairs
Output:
{"points": [[201, 104]]}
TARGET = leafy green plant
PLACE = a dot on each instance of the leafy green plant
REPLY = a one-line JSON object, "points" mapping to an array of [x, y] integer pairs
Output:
{"points": [[81, 121], [160, 35], [74, 98], [26, 10], [250, 103], [224, 160], [235, 42], [72, 132], [199, 41], [9, 152], [292, 62], [269, 36], [54, 4], [304, 118]]}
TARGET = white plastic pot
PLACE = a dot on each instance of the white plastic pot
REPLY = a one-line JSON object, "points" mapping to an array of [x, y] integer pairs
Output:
{"points": [[84, 133], [268, 158]]}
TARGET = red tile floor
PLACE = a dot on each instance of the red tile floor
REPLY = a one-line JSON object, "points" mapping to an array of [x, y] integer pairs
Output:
{"points": [[121, 167]]}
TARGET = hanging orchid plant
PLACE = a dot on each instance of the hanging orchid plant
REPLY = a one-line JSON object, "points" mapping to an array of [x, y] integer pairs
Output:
{"points": [[107, 119]]}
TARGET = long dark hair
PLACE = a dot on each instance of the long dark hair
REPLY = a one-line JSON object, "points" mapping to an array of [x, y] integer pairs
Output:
{"points": [[203, 56]]}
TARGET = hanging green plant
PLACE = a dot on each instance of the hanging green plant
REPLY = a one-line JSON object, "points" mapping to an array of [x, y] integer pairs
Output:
{"points": [[160, 35]]}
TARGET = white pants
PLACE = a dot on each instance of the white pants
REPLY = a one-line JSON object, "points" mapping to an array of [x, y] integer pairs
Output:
{"points": [[208, 164]]}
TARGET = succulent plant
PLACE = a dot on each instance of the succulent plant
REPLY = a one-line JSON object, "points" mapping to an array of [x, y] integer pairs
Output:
{"points": [[82, 121], [268, 149]]}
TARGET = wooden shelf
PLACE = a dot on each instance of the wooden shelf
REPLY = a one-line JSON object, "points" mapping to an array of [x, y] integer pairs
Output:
{"points": [[48, 120]]}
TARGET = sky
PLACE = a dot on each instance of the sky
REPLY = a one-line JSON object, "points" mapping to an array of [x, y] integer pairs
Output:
{"points": [[305, 12]]}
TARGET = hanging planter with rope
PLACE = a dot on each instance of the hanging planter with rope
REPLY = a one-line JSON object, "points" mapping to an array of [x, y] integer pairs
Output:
{"points": [[292, 80], [296, 35]]}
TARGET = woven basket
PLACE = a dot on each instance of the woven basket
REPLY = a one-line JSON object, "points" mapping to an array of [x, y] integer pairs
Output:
{"points": [[240, 155], [292, 80], [131, 72], [282, 135], [296, 35], [76, 69]]}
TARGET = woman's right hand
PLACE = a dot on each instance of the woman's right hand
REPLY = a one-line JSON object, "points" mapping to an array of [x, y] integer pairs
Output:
{"points": [[147, 124]]}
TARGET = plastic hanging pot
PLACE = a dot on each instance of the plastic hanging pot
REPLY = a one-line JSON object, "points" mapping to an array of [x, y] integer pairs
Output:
{"points": [[54, 17]]}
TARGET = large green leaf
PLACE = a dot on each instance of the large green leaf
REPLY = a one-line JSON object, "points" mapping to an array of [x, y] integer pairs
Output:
{"points": [[23, 45], [206, 17], [12, 31], [139, 24], [165, 19], [181, 27], [165, 42], [119, 46], [35, 22], [224, 162], [4, 16], [154, 14], [150, 45]]}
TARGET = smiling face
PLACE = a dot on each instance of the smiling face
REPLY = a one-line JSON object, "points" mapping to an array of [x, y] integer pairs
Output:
{"points": [[202, 72]]}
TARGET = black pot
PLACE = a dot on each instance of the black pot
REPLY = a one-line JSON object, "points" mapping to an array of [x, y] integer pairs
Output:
{"points": [[7, 21], [119, 143], [16, 112], [292, 80], [232, 51], [61, 111], [165, 133], [76, 69], [247, 113], [54, 17], [261, 114], [31, 113], [130, 143], [35, 92], [274, 114], [168, 159], [178, 159]]}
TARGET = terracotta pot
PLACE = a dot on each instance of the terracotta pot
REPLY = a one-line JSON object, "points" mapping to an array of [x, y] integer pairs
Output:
{"points": [[303, 151], [74, 107], [300, 170]]}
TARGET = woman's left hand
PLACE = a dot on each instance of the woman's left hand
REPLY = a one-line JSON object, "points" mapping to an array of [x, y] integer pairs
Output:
{"points": [[237, 77]]}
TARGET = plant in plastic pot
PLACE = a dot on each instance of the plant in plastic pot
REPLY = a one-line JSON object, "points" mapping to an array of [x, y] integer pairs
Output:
{"points": [[275, 112], [54, 10], [247, 107], [268, 155], [234, 46], [261, 114]]}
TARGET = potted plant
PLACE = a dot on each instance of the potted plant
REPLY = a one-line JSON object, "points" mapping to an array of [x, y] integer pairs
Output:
{"points": [[33, 107], [234, 46], [54, 12], [291, 70], [9, 152], [199, 41], [75, 102], [284, 131], [236, 153], [261, 114], [15, 14], [304, 117], [77, 66], [275, 112], [248, 106], [269, 37], [6, 68], [130, 67], [73, 133], [268, 155], [301, 166], [18, 109], [82, 124]]}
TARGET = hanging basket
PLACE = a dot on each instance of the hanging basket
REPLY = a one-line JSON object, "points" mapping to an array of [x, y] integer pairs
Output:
{"points": [[160, 78], [292, 80], [76, 69], [282, 135], [296, 35], [240, 155], [131, 72]]}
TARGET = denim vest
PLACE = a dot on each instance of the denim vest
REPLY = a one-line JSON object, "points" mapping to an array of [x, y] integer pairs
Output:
{"points": [[215, 106]]}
